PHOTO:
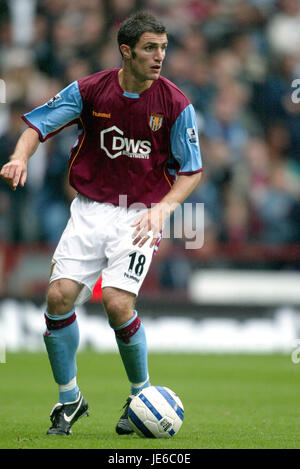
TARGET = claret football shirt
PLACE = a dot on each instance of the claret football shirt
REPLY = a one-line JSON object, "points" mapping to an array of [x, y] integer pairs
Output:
{"points": [[128, 144]]}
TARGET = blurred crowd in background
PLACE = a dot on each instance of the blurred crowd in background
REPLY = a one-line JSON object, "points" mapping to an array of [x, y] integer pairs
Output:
{"points": [[236, 60]]}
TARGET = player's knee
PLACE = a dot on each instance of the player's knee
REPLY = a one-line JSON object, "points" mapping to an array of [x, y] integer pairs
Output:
{"points": [[58, 301], [118, 310], [113, 305]]}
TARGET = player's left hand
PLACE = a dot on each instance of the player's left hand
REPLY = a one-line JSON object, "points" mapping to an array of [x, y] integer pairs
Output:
{"points": [[149, 226]]}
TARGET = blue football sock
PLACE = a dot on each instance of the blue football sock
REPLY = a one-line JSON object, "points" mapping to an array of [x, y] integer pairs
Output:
{"points": [[62, 339], [131, 340]]}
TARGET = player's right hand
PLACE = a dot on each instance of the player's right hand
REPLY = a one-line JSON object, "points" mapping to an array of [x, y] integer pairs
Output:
{"points": [[14, 173]]}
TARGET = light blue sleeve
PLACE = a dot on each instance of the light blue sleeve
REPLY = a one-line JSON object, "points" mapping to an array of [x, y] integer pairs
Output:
{"points": [[185, 142], [61, 110]]}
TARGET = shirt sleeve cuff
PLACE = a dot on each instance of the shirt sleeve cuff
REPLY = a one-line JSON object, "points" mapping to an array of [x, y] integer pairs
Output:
{"points": [[189, 173], [41, 138]]}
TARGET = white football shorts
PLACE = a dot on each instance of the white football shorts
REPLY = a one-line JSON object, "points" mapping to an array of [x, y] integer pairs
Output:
{"points": [[98, 240]]}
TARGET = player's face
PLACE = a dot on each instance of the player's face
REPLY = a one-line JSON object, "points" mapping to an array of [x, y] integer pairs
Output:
{"points": [[148, 56]]}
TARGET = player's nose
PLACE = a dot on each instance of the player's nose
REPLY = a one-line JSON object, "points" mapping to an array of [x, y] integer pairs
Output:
{"points": [[159, 55]]}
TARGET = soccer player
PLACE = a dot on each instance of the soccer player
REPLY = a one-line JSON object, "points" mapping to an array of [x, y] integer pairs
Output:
{"points": [[136, 158]]}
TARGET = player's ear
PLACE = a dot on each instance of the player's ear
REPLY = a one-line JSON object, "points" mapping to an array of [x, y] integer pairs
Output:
{"points": [[126, 51]]}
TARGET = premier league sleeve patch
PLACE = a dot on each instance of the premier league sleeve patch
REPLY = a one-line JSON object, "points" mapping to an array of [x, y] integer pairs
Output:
{"points": [[192, 135], [53, 100]]}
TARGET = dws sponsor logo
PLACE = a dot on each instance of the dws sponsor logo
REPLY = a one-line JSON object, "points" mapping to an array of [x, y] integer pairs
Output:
{"points": [[115, 144]]}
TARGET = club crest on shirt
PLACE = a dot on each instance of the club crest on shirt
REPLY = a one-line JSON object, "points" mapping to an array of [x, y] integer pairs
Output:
{"points": [[156, 121]]}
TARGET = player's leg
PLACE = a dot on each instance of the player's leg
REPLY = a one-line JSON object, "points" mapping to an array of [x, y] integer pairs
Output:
{"points": [[127, 267], [62, 336], [130, 335], [76, 266], [131, 340], [62, 339]]}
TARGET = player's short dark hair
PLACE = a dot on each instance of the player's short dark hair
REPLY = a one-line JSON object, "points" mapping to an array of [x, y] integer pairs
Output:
{"points": [[133, 27]]}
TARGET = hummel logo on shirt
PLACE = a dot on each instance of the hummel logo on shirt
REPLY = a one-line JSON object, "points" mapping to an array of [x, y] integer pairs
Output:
{"points": [[102, 114]]}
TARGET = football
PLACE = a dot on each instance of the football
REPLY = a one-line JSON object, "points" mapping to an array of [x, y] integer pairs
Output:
{"points": [[156, 412]]}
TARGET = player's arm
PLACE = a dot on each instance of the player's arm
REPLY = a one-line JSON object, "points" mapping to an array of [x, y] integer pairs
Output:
{"points": [[186, 150], [44, 122], [15, 171], [180, 190], [153, 219]]}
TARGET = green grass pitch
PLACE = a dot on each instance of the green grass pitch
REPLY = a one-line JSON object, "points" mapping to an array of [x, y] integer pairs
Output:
{"points": [[230, 401]]}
